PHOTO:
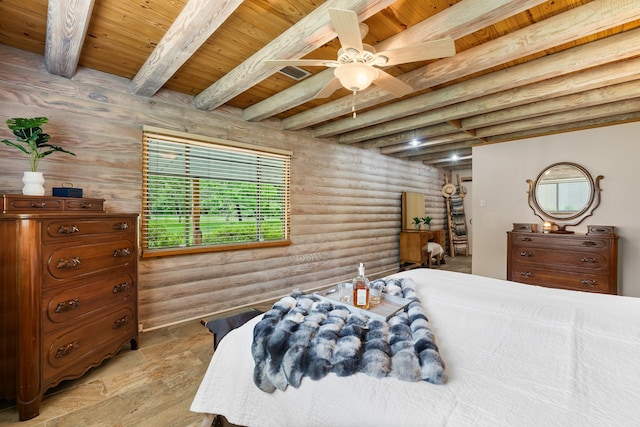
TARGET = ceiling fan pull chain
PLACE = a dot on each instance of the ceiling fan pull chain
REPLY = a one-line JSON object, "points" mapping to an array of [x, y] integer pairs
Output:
{"points": [[353, 105]]}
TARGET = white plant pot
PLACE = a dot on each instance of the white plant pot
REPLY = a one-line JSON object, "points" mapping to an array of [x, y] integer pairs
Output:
{"points": [[33, 184]]}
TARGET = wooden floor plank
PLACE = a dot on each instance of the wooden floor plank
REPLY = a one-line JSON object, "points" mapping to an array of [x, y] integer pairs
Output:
{"points": [[152, 386]]}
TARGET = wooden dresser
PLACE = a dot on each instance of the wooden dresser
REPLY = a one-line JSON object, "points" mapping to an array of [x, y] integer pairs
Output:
{"points": [[411, 243], [583, 262], [68, 292]]}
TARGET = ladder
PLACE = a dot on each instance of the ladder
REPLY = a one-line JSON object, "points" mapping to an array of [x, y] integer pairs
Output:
{"points": [[456, 219]]}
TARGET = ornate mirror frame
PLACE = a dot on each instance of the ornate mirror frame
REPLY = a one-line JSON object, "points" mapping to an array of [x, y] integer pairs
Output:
{"points": [[572, 219]]}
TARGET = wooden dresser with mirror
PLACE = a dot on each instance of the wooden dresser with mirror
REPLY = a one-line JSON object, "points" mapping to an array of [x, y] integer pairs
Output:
{"points": [[68, 292], [564, 194]]}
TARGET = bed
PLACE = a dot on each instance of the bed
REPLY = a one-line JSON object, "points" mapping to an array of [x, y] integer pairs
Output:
{"points": [[515, 354]]}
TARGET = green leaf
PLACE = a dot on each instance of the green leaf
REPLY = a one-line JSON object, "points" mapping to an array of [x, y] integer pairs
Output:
{"points": [[30, 139], [19, 123], [18, 146]]}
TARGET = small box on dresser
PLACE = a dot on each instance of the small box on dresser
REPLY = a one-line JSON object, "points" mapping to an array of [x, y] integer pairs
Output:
{"points": [[584, 262], [68, 297]]}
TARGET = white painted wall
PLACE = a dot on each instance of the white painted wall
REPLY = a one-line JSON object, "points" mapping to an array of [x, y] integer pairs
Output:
{"points": [[500, 172]]}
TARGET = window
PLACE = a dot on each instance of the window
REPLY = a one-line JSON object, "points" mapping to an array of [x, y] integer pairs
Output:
{"points": [[558, 197], [205, 194]]}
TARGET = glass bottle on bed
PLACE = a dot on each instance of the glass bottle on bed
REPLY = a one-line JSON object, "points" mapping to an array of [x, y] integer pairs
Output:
{"points": [[361, 289]]}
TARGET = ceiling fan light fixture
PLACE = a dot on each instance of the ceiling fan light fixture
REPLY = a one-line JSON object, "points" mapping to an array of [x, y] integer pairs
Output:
{"points": [[356, 76]]}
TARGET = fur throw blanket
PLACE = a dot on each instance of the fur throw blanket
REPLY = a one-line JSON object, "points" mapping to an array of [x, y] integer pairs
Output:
{"points": [[302, 335]]}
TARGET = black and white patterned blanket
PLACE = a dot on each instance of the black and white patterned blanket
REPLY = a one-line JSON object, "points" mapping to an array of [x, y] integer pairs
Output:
{"points": [[302, 335]]}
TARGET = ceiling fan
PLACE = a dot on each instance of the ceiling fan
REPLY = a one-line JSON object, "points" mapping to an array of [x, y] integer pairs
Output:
{"points": [[358, 64]]}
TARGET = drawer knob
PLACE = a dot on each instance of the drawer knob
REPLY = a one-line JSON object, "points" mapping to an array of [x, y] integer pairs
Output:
{"points": [[67, 349], [121, 287], [526, 273], [68, 263], [68, 229], [38, 205], [121, 226], [589, 243], [85, 206], [588, 260], [122, 252], [121, 322], [526, 239], [588, 282], [525, 254], [68, 305]]}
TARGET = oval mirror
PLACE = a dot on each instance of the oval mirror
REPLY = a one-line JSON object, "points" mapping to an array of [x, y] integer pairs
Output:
{"points": [[564, 191]]}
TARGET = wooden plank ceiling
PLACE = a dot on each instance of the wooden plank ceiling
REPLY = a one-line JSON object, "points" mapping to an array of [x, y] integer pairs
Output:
{"points": [[523, 67]]}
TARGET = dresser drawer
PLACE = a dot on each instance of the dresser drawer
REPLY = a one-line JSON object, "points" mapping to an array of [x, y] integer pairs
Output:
{"points": [[533, 240], [88, 344], [75, 204], [73, 227], [16, 203], [70, 305], [601, 229], [579, 281], [72, 262], [567, 260]]}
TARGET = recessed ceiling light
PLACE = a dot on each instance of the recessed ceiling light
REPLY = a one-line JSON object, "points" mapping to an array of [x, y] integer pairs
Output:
{"points": [[414, 142], [454, 157]]}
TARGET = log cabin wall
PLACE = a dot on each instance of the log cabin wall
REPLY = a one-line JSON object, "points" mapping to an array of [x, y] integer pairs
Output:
{"points": [[345, 201]]}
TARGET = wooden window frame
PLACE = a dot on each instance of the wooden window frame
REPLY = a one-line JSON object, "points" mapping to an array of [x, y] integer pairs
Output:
{"points": [[193, 215]]}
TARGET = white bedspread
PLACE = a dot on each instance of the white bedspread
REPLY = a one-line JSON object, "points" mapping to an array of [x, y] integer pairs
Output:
{"points": [[516, 355]]}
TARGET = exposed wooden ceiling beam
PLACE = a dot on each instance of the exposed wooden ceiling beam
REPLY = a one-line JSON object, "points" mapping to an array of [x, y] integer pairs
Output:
{"points": [[196, 23], [441, 156], [456, 21], [567, 65], [569, 112], [603, 104], [404, 137], [426, 145], [589, 98], [565, 127], [436, 150], [67, 23], [593, 112], [595, 16], [447, 163], [308, 34]]}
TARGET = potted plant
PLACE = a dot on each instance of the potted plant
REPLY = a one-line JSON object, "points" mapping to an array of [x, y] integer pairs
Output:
{"points": [[32, 141], [427, 222], [416, 222]]}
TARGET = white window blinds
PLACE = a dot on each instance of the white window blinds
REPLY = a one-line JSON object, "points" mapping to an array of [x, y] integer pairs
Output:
{"points": [[206, 194]]}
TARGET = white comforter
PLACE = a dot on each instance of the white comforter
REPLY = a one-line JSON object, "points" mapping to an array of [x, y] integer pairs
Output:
{"points": [[516, 355]]}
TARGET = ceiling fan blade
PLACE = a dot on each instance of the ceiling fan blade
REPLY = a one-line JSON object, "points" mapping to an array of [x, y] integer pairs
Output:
{"points": [[394, 86], [420, 52], [348, 28], [303, 62], [328, 89]]}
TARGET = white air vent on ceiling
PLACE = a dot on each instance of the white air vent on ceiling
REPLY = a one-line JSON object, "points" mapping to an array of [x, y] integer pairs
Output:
{"points": [[295, 72]]}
